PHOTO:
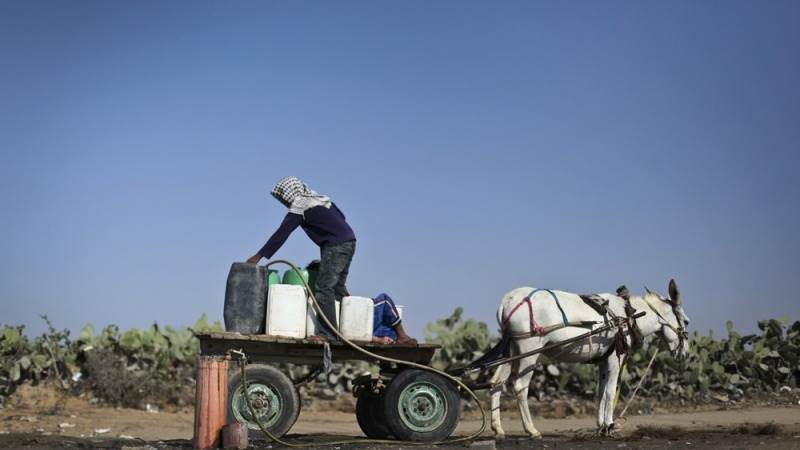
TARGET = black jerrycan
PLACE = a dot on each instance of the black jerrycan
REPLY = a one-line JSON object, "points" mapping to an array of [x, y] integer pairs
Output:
{"points": [[246, 299]]}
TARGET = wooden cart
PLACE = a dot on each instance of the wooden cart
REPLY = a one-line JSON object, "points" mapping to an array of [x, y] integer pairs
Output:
{"points": [[398, 402]]}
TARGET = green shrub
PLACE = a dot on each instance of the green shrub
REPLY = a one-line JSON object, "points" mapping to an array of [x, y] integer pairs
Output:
{"points": [[127, 369]]}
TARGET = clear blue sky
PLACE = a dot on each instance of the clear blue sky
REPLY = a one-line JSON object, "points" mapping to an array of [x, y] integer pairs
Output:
{"points": [[474, 146]]}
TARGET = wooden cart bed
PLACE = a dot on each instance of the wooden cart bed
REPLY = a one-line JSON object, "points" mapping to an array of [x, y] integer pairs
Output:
{"points": [[275, 349]]}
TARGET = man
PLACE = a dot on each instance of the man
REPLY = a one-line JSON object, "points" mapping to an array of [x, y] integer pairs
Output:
{"points": [[387, 327], [325, 224]]}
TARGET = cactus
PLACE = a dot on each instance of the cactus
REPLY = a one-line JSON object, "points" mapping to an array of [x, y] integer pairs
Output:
{"points": [[159, 362]]}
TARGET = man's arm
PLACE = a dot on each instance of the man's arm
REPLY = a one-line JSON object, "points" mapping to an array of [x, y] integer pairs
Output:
{"points": [[290, 222]]}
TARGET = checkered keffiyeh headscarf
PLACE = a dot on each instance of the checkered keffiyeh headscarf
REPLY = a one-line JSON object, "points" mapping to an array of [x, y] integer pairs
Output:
{"points": [[297, 196]]}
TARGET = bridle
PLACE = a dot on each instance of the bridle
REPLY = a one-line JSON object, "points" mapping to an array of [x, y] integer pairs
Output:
{"points": [[679, 330]]}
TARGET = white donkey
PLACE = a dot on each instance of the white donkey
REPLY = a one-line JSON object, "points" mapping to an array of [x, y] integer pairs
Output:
{"points": [[535, 318]]}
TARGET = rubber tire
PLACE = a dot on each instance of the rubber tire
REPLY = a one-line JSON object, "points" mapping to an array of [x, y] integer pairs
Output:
{"points": [[281, 384], [391, 402], [371, 420]]}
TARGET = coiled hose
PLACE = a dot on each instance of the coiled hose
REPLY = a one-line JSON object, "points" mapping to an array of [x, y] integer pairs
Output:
{"points": [[373, 356]]}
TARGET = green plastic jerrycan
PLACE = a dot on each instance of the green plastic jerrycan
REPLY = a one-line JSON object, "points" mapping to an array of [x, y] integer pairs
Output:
{"points": [[273, 277], [293, 277]]}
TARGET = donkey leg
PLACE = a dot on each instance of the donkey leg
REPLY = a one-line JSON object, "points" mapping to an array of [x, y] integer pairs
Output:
{"points": [[602, 370], [615, 367], [609, 376], [499, 378], [521, 385]]}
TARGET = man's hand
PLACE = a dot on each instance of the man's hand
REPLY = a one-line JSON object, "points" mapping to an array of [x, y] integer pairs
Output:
{"points": [[254, 259]]}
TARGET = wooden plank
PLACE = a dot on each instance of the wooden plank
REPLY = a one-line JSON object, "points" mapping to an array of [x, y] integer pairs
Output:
{"points": [[225, 335], [272, 349]]}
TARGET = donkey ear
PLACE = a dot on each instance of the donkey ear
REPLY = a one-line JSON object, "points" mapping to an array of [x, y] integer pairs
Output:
{"points": [[674, 293], [648, 290]]}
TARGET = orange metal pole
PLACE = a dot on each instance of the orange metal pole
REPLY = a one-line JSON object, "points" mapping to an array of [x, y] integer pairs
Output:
{"points": [[211, 401]]}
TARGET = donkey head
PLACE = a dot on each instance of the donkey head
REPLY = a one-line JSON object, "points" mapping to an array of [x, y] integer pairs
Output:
{"points": [[674, 324]]}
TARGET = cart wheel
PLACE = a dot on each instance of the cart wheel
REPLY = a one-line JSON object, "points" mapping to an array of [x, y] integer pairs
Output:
{"points": [[273, 396], [369, 413], [421, 406]]}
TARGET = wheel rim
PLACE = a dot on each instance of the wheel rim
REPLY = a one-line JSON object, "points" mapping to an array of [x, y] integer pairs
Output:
{"points": [[266, 403], [422, 406]]}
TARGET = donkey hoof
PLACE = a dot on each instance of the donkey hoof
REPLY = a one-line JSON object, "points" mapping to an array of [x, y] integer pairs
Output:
{"points": [[499, 437], [606, 430], [535, 434]]}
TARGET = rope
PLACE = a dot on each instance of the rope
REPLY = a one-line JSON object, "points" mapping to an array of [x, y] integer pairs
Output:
{"points": [[558, 303], [356, 347], [638, 385]]}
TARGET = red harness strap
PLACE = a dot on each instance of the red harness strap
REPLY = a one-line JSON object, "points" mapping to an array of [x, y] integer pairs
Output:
{"points": [[536, 330]]}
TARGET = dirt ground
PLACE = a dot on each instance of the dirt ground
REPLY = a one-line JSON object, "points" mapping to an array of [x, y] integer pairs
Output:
{"points": [[49, 420]]}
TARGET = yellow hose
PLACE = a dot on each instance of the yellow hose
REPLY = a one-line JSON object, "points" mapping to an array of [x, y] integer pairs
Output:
{"points": [[373, 356]]}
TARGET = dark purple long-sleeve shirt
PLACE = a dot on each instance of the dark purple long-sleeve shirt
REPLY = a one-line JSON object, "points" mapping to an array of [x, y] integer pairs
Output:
{"points": [[325, 226]]}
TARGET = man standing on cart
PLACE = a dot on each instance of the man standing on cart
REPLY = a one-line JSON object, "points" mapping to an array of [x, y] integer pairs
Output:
{"points": [[325, 224]]}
